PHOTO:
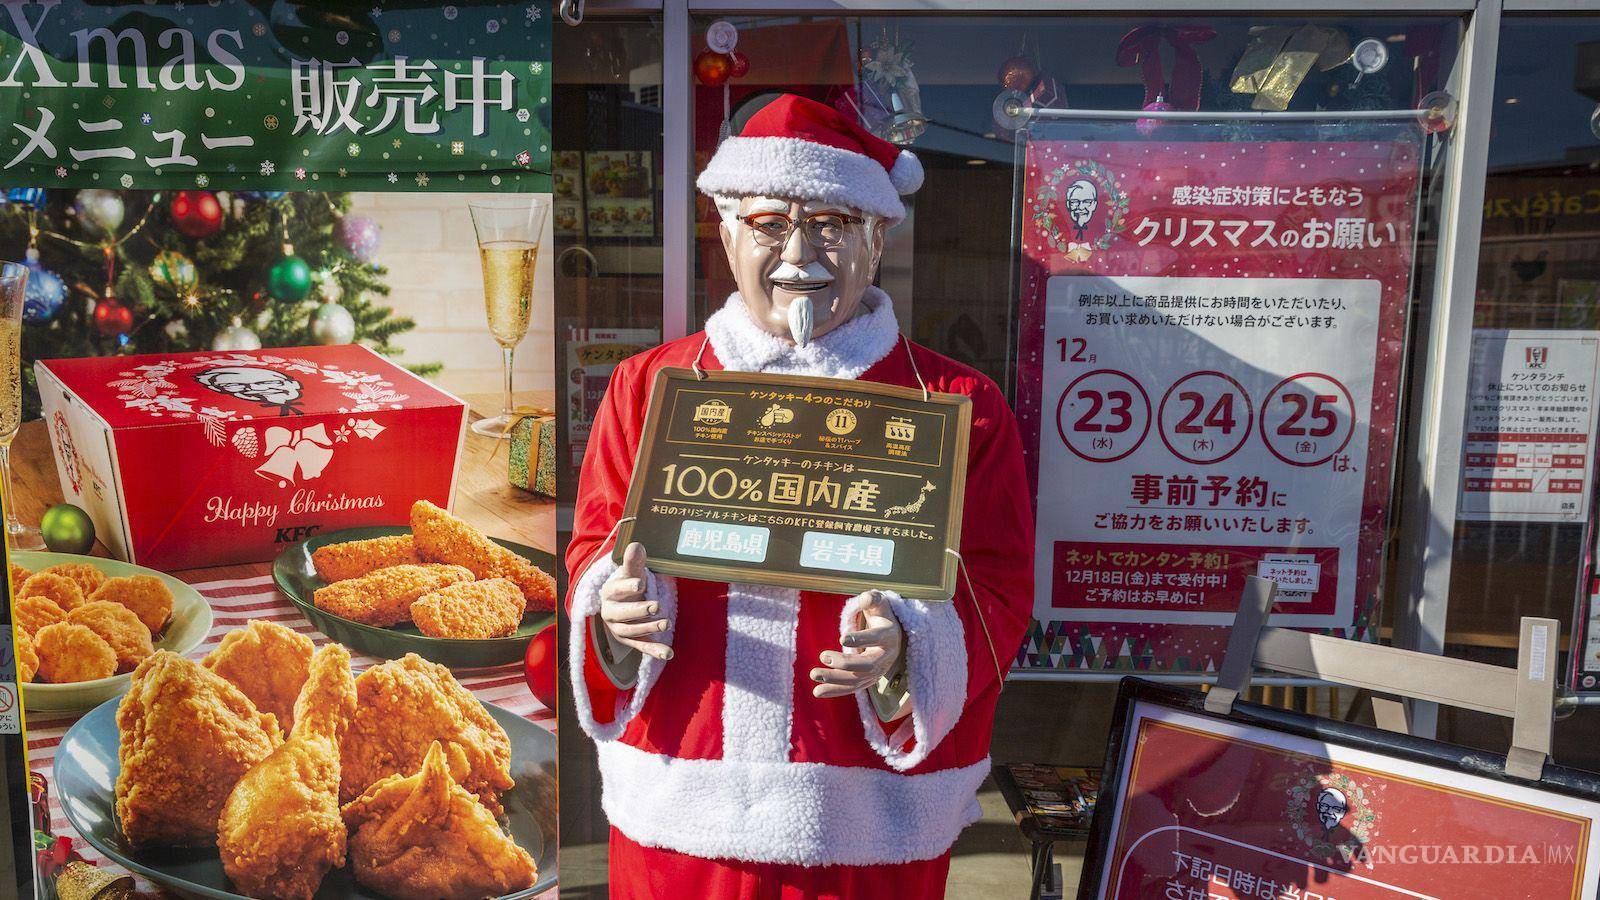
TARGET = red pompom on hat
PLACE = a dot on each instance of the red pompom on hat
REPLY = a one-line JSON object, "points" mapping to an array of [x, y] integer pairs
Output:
{"points": [[805, 150]]}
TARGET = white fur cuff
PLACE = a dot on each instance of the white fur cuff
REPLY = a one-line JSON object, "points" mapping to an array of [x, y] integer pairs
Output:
{"points": [[585, 605], [936, 664]]}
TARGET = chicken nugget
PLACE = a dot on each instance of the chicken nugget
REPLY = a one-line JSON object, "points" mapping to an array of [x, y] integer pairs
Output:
{"points": [[88, 577], [444, 538], [472, 609], [18, 576], [148, 597], [70, 653], [55, 587], [34, 613], [27, 659], [353, 559], [384, 597], [117, 626]]}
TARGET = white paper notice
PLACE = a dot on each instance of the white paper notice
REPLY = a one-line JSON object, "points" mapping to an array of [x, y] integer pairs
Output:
{"points": [[1530, 430]]}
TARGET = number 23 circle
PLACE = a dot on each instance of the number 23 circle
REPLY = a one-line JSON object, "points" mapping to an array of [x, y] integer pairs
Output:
{"points": [[1103, 415]]}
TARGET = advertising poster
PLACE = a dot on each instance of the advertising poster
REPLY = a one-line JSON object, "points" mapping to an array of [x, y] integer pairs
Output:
{"points": [[1211, 339], [1210, 808], [592, 355], [621, 193], [1530, 429]]}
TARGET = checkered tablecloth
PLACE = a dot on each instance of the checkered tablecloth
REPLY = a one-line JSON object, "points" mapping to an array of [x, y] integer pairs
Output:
{"points": [[233, 604]]}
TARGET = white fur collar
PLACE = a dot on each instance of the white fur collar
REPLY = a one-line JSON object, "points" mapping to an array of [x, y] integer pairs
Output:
{"points": [[844, 352]]}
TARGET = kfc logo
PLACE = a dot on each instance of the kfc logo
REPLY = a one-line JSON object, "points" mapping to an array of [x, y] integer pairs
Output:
{"points": [[255, 385], [1536, 357]]}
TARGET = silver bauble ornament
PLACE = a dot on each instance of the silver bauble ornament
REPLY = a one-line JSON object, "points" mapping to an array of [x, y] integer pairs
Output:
{"points": [[236, 337], [332, 324], [100, 209]]}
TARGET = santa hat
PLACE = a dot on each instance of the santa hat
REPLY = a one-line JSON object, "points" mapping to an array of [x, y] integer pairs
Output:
{"points": [[799, 148]]}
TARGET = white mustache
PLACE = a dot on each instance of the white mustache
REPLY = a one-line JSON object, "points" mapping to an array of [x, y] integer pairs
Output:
{"points": [[811, 271]]}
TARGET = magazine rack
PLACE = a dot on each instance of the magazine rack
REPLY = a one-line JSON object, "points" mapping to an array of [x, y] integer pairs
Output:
{"points": [[1526, 694]]}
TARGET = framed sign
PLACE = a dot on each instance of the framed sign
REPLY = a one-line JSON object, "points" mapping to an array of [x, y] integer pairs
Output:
{"points": [[815, 483], [1267, 803]]}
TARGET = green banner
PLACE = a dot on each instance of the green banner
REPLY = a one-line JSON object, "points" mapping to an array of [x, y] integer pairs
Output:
{"points": [[226, 94]]}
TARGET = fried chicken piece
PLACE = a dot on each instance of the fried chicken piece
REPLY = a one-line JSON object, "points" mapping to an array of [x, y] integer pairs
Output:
{"points": [[70, 653], [404, 705], [58, 589], [148, 597], [19, 575], [88, 577], [34, 613], [425, 837], [353, 559], [281, 831], [188, 736], [268, 662], [27, 659], [119, 628], [383, 598], [472, 609], [442, 537]]}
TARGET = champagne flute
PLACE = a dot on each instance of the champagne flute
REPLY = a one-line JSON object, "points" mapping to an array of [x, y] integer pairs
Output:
{"points": [[508, 246], [13, 285]]}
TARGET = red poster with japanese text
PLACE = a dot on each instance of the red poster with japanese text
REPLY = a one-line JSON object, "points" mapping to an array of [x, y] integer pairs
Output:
{"points": [[1210, 352], [1213, 809]]}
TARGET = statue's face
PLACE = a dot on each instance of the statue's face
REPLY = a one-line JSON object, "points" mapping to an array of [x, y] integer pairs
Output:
{"points": [[801, 282], [1082, 199]]}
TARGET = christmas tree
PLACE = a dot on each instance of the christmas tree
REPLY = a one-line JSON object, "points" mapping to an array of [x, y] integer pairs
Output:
{"points": [[124, 272]]}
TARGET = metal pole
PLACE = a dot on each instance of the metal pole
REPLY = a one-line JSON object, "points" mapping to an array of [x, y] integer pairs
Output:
{"points": [[1226, 115], [677, 167], [1430, 510]]}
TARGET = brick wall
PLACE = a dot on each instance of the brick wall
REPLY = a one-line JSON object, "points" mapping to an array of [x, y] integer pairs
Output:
{"points": [[432, 256]]}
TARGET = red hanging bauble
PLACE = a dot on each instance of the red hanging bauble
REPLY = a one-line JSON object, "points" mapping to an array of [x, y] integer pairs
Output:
{"points": [[196, 214], [741, 65], [1018, 73], [712, 68], [112, 318]]}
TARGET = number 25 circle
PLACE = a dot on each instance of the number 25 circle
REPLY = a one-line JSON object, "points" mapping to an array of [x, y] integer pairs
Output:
{"points": [[1103, 415], [1307, 419]]}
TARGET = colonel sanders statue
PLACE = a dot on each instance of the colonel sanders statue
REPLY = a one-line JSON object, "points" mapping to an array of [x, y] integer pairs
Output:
{"points": [[765, 742]]}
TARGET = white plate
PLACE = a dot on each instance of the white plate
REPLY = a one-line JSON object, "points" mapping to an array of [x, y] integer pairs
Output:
{"points": [[191, 621]]}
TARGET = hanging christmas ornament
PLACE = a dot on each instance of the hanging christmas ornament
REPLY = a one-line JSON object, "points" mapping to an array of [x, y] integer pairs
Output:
{"points": [[67, 529], [289, 279], [45, 292], [196, 214], [112, 318], [261, 195], [236, 337], [1142, 47], [100, 209], [741, 65], [1018, 73], [712, 68], [332, 324], [29, 197], [890, 91], [173, 271], [1148, 127], [359, 236]]}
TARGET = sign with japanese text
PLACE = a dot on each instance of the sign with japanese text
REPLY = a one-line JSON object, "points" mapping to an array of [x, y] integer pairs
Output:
{"points": [[1528, 453], [1201, 807], [231, 95], [1211, 338], [815, 483], [592, 355]]}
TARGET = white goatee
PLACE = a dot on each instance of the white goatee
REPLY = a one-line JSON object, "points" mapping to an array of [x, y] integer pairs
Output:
{"points": [[801, 320]]}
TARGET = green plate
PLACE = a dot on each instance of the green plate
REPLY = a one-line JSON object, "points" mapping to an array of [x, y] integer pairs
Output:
{"points": [[85, 782], [191, 621], [296, 577]]}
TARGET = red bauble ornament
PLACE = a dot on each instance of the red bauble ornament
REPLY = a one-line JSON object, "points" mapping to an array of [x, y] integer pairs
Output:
{"points": [[1018, 73], [112, 318], [712, 68], [539, 666], [741, 65], [196, 214], [1148, 127]]}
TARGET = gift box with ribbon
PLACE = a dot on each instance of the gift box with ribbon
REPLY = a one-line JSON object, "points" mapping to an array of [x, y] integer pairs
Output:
{"points": [[198, 459], [533, 450]]}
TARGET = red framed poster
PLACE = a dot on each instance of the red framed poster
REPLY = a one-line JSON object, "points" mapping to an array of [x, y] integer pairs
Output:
{"points": [[1270, 804], [1211, 345]]}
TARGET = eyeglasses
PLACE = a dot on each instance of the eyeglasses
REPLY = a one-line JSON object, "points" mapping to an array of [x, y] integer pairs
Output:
{"points": [[823, 230]]}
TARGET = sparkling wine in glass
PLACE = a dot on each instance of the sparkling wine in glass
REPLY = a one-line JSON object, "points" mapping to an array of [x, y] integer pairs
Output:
{"points": [[13, 284], [508, 247]]}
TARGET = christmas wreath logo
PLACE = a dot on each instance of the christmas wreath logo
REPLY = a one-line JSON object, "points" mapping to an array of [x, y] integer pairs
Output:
{"points": [[71, 463], [1331, 813], [1065, 209]]}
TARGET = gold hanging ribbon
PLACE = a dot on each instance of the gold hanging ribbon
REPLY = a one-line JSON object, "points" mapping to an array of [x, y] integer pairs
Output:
{"points": [[1280, 56]]}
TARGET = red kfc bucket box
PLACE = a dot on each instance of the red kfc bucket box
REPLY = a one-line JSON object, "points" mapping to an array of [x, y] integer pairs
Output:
{"points": [[199, 459]]}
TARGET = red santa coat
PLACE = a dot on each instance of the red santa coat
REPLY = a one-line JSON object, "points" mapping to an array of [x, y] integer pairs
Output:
{"points": [[722, 752]]}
